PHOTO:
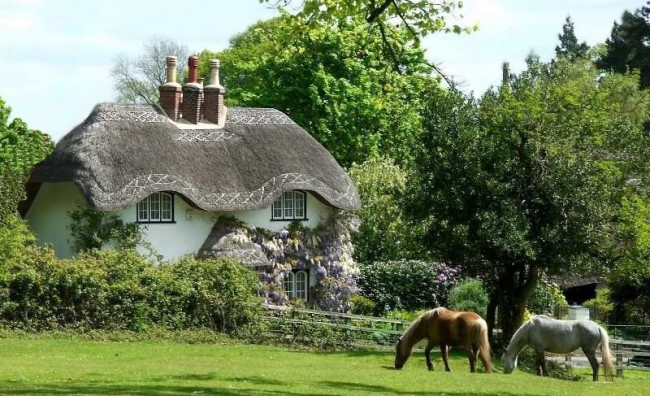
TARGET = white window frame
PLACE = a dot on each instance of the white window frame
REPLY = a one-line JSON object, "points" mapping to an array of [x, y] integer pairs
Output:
{"points": [[156, 208], [292, 205], [296, 284]]}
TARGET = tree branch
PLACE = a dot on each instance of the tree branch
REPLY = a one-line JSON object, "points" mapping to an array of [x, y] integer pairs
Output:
{"points": [[449, 80], [377, 11]]}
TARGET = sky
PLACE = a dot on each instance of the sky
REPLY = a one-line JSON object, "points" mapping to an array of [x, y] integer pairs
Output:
{"points": [[57, 54]]}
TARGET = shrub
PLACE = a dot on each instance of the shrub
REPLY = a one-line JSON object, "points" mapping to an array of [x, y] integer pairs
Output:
{"points": [[222, 293], [469, 295], [601, 306], [121, 290], [362, 305], [410, 285], [545, 298]]}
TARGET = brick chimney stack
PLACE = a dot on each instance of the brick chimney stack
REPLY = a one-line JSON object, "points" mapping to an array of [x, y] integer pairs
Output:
{"points": [[192, 93], [213, 107], [170, 92]]}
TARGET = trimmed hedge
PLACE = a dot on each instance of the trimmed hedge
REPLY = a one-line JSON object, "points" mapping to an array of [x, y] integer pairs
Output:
{"points": [[121, 290]]}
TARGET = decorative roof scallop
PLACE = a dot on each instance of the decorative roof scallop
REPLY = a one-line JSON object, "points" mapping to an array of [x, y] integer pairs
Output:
{"points": [[123, 153]]}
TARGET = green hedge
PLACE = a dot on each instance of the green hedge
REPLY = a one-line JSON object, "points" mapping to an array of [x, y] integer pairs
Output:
{"points": [[121, 290]]}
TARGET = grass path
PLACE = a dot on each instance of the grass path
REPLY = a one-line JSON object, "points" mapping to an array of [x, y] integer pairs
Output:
{"points": [[67, 366]]}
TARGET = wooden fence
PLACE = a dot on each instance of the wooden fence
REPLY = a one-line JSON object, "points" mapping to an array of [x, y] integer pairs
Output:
{"points": [[359, 326], [628, 354]]}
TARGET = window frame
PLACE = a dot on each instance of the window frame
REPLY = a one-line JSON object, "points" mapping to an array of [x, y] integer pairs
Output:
{"points": [[288, 204], [293, 279], [158, 208]]}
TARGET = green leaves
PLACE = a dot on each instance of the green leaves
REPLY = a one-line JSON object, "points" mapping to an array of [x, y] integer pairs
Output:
{"points": [[20, 149], [531, 179], [334, 81], [421, 17]]}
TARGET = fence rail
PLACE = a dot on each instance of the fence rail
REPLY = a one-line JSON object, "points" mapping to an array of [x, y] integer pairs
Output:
{"points": [[381, 331], [629, 354]]}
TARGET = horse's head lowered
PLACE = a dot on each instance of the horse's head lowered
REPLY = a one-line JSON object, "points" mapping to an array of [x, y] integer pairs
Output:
{"points": [[509, 363], [402, 354]]}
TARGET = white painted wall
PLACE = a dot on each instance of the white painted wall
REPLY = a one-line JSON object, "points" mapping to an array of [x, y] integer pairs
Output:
{"points": [[48, 215], [317, 212], [175, 240], [49, 219]]}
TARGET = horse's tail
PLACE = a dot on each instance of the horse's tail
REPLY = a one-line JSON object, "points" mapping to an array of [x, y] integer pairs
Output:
{"points": [[483, 345], [608, 359]]}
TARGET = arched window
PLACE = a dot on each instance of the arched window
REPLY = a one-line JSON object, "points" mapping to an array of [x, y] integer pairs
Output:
{"points": [[296, 284], [301, 285], [156, 208], [292, 205], [289, 288]]}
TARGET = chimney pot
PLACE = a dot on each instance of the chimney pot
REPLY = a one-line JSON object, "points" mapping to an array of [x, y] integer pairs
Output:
{"points": [[193, 93], [214, 109], [193, 65], [171, 69], [170, 92]]}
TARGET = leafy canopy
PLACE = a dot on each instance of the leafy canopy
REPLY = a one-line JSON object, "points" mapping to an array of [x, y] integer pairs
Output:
{"points": [[530, 181], [333, 81], [421, 17], [20, 149], [418, 18]]}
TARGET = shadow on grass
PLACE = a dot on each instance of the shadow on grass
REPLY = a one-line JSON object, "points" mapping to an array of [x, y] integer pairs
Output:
{"points": [[355, 388], [17, 388]]}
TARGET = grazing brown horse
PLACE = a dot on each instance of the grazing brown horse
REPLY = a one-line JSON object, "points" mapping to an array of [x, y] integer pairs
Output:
{"points": [[443, 327]]}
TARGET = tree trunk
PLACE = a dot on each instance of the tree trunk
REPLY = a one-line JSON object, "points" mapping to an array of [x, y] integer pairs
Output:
{"points": [[490, 317], [516, 285]]}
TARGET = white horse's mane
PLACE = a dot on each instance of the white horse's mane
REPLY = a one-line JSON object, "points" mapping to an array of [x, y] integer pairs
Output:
{"points": [[518, 340]]}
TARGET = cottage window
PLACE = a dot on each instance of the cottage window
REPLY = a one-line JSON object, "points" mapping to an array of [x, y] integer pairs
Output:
{"points": [[290, 206], [156, 208], [296, 284]]}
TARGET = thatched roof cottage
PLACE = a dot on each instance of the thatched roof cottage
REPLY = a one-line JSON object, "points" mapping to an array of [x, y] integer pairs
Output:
{"points": [[177, 168]]}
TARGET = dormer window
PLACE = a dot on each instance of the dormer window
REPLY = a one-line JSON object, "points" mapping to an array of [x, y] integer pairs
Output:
{"points": [[292, 205], [156, 208]]}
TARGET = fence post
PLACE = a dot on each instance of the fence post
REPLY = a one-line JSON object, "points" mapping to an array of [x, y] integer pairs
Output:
{"points": [[619, 360], [567, 360]]}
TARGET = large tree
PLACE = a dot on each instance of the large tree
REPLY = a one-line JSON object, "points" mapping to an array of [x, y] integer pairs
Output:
{"points": [[530, 181], [137, 78], [628, 47], [419, 18], [332, 80], [385, 232], [20, 149]]}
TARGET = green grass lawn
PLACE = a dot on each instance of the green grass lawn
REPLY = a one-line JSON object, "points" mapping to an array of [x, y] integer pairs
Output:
{"points": [[68, 366]]}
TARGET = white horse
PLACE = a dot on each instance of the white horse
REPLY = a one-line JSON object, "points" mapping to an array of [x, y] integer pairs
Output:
{"points": [[559, 336]]}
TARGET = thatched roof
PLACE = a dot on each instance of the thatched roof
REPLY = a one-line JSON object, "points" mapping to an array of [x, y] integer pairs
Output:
{"points": [[122, 153]]}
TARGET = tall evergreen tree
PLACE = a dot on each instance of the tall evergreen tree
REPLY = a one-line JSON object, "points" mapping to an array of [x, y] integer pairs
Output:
{"points": [[569, 47], [628, 46]]}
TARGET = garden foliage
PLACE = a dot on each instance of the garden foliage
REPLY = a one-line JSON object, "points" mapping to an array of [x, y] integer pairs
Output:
{"points": [[469, 295], [121, 290], [408, 284]]}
